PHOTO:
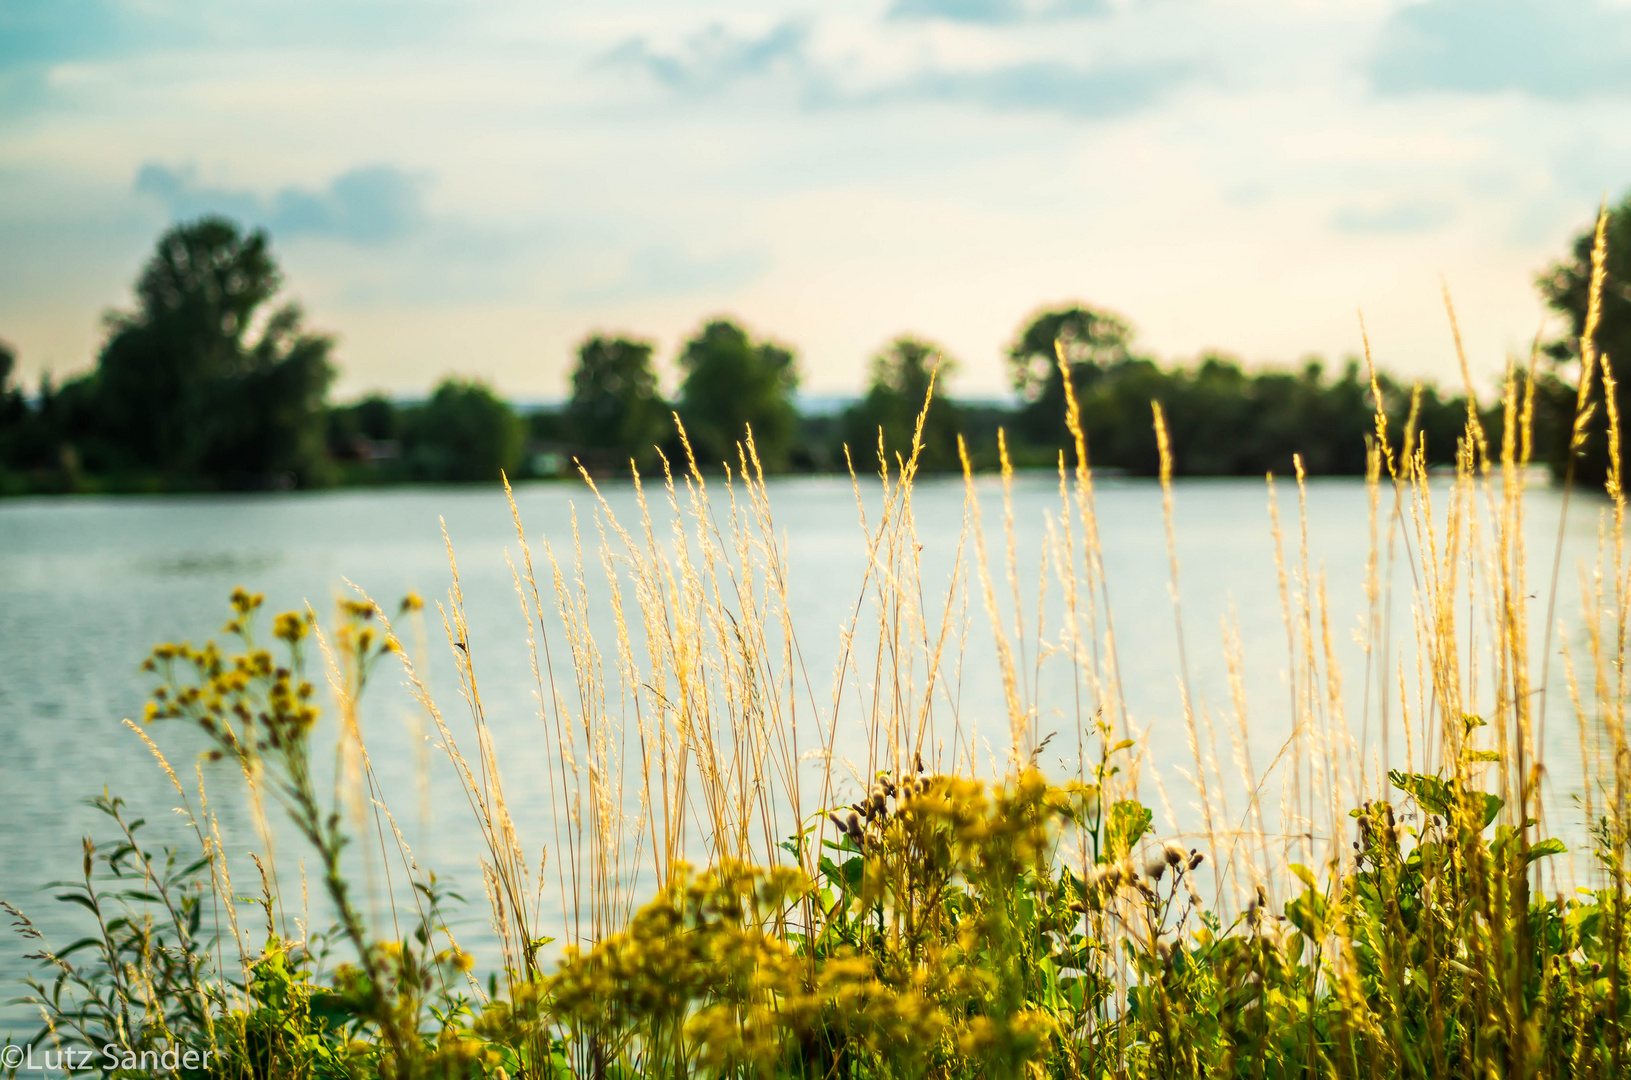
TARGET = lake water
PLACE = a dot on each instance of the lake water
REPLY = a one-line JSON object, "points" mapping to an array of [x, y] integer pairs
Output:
{"points": [[87, 585]]}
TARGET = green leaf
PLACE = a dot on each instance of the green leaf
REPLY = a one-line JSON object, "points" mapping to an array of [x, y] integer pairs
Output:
{"points": [[1129, 821], [1304, 875], [1307, 913], [1551, 846], [71, 898], [1429, 791], [82, 943], [846, 875], [1440, 797]]}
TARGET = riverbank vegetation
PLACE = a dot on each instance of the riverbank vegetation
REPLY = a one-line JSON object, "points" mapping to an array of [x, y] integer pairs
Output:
{"points": [[751, 873], [211, 383]]}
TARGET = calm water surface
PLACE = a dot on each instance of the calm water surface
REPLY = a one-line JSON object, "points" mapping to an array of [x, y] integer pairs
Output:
{"points": [[87, 585]]}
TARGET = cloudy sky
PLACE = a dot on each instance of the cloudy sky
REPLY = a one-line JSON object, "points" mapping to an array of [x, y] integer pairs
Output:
{"points": [[458, 186]]}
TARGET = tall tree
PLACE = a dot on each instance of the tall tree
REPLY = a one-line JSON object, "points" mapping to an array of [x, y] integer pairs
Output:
{"points": [[615, 407], [1093, 341], [200, 379], [731, 384], [901, 377], [13, 409], [1566, 285], [465, 432]]}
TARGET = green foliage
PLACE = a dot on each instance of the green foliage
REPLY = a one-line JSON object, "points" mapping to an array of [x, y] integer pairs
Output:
{"points": [[465, 432], [206, 385], [732, 384], [1566, 287], [201, 379], [373, 417], [901, 379], [1092, 342], [615, 408], [953, 929], [140, 979], [14, 412], [1222, 419]]}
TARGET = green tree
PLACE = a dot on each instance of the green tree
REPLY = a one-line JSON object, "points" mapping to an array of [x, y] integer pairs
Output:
{"points": [[374, 417], [464, 433], [13, 408], [900, 386], [731, 384], [1566, 286], [201, 380], [615, 407], [1093, 341]]}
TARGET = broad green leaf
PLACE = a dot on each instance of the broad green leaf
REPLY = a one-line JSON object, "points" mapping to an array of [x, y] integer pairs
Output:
{"points": [[1550, 846], [1307, 913], [1439, 797], [1429, 791], [1129, 821]]}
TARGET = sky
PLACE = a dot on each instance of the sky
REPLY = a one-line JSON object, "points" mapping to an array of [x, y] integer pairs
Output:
{"points": [[473, 186]]}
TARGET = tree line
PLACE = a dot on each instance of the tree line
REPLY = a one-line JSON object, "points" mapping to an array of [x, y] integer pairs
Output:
{"points": [[209, 382]]}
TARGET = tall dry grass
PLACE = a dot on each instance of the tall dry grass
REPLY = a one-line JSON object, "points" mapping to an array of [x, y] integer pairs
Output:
{"points": [[1381, 895]]}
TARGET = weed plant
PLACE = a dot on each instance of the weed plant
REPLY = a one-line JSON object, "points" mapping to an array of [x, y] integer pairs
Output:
{"points": [[718, 909]]}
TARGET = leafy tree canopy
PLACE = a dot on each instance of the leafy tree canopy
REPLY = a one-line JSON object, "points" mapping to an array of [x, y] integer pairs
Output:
{"points": [[615, 406], [901, 378], [465, 432], [1088, 336], [202, 378], [732, 384], [12, 405], [1092, 340], [1566, 286]]}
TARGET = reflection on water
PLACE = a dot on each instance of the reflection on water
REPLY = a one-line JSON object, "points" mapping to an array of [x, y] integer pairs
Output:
{"points": [[87, 585], [201, 563]]}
